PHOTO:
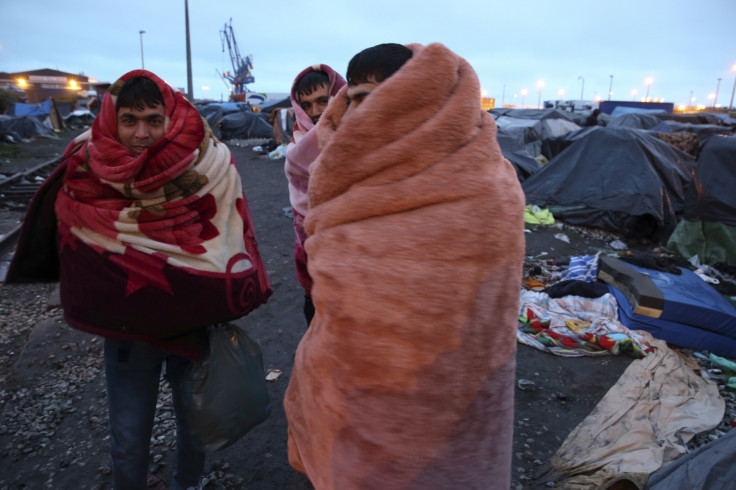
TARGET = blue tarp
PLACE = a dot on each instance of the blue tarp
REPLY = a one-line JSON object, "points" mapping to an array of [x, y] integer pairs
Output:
{"points": [[694, 314], [42, 109]]}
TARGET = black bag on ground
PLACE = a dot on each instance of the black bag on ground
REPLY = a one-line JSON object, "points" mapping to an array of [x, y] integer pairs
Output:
{"points": [[226, 393]]}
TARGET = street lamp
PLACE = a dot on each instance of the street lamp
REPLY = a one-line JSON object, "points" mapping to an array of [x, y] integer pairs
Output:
{"points": [[633, 94], [523, 94], [205, 88], [582, 87], [143, 66], [730, 106], [610, 88], [540, 84], [715, 99], [648, 81]]}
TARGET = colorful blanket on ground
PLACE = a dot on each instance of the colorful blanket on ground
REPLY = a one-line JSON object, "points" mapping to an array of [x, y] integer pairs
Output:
{"points": [[155, 247], [574, 326], [299, 156], [405, 378]]}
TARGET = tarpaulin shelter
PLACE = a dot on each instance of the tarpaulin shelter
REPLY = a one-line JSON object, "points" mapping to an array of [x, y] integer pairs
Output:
{"points": [[527, 125], [40, 109], [15, 129], [523, 162], [708, 229], [245, 125], [617, 179]]}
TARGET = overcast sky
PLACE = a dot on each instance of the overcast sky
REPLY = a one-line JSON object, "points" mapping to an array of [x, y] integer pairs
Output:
{"points": [[580, 46]]}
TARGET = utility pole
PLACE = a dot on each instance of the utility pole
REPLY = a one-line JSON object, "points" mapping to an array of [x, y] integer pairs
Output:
{"points": [[143, 66], [190, 90], [582, 87]]}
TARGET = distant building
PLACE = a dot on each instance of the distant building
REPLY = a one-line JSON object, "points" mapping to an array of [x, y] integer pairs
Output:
{"points": [[39, 85]]}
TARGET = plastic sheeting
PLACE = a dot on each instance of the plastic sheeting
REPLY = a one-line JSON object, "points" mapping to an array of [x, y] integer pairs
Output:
{"points": [[621, 180], [640, 425], [245, 125], [712, 196], [709, 467], [522, 161]]}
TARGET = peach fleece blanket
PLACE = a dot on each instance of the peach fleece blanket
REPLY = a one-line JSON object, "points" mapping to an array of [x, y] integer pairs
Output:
{"points": [[405, 378]]}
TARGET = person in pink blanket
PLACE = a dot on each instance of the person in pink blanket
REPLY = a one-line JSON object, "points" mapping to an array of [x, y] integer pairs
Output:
{"points": [[405, 377], [150, 236], [311, 91]]}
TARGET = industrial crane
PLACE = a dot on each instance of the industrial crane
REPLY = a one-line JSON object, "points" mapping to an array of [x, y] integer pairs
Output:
{"points": [[240, 76]]}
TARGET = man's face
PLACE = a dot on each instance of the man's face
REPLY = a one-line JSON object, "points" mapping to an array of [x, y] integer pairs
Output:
{"points": [[315, 103], [140, 128], [357, 94]]}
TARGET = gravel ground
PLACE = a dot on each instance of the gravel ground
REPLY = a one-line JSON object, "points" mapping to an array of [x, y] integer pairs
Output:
{"points": [[53, 425]]}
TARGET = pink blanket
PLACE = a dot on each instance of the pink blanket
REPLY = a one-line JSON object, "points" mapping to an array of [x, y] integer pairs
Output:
{"points": [[299, 156], [405, 378]]}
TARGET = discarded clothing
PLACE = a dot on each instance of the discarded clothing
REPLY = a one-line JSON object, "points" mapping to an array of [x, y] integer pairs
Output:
{"points": [[576, 287], [640, 425], [664, 264], [405, 378], [544, 323], [534, 215], [582, 268]]}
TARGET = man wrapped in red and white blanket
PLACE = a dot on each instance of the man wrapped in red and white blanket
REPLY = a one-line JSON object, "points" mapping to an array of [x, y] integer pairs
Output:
{"points": [[154, 242]]}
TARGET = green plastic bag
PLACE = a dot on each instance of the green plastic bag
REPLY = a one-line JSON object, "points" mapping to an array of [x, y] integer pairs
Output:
{"points": [[226, 389]]}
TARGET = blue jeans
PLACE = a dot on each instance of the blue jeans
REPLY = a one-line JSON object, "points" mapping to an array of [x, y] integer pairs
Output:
{"points": [[133, 371]]}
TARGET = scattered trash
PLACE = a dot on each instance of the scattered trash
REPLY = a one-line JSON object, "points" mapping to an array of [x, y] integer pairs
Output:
{"points": [[526, 385], [618, 245], [563, 237], [279, 152], [273, 374], [288, 211], [257, 148]]}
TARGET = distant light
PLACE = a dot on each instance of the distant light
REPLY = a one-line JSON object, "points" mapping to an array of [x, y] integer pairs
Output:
{"points": [[483, 92], [73, 85], [22, 83], [650, 80], [524, 91], [540, 84], [561, 92], [681, 107], [598, 98]]}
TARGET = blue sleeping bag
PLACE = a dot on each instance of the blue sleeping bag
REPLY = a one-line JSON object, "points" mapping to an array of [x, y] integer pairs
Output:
{"points": [[694, 314]]}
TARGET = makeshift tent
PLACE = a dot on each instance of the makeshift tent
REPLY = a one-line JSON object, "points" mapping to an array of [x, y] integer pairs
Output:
{"points": [[635, 120], [523, 162], [245, 125], [693, 315], [16, 129], [528, 125], [708, 229], [621, 180]]}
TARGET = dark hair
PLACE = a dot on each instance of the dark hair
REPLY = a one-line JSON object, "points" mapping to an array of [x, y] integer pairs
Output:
{"points": [[139, 92], [311, 82], [377, 63]]}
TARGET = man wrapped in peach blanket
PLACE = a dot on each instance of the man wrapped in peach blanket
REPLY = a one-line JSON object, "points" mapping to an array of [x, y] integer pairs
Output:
{"points": [[405, 378]]}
